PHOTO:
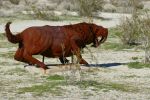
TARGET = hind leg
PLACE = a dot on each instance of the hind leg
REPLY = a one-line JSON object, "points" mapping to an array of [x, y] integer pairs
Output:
{"points": [[19, 55], [28, 57]]}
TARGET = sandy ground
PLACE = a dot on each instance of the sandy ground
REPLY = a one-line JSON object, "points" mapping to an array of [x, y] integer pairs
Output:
{"points": [[112, 19], [106, 66]]}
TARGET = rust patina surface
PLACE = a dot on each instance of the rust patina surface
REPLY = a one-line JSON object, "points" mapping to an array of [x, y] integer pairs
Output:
{"points": [[55, 41]]}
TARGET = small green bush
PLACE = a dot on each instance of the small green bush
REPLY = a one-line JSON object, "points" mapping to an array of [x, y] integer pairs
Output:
{"points": [[56, 77], [138, 65], [39, 90], [106, 86], [115, 46], [135, 58]]}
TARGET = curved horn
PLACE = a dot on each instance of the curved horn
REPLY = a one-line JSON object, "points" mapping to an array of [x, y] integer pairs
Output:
{"points": [[103, 39], [104, 36]]}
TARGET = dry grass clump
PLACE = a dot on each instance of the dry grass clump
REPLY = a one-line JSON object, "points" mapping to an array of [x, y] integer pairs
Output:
{"points": [[16, 2], [88, 7], [136, 31], [127, 3], [44, 13], [130, 31], [127, 6]]}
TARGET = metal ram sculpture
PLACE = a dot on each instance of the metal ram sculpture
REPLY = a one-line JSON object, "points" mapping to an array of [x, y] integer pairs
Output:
{"points": [[55, 41]]}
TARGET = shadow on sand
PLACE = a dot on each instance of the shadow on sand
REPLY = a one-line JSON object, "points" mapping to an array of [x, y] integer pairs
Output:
{"points": [[106, 65], [93, 65]]}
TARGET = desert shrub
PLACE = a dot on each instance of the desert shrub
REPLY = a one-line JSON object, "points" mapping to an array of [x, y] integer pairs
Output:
{"points": [[43, 10], [127, 6], [44, 13], [119, 2], [69, 5], [88, 7], [145, 36], [57, 1], [16, 2], [136, 30], [130, 31], [130, 27], [136, 4], [127, 3], [0, 4]]}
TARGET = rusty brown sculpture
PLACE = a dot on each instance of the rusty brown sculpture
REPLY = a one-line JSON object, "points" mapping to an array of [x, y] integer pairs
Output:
{"points": [[55, 41]]}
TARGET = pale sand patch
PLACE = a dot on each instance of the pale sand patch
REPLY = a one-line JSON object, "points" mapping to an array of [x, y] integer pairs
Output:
{"points": [[112, 19]]}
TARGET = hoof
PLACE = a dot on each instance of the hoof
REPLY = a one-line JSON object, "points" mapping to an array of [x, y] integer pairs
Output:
{"points": [[66, 61], [28, 65], [45, 67], [88, 65]]}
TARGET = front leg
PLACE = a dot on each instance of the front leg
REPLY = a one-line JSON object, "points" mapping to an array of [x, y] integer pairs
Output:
{"points": [[28, 57], [76, 50], [63, 60]]}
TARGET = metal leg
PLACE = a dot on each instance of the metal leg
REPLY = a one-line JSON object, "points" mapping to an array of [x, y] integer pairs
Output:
{"points": [[43, 59]]}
